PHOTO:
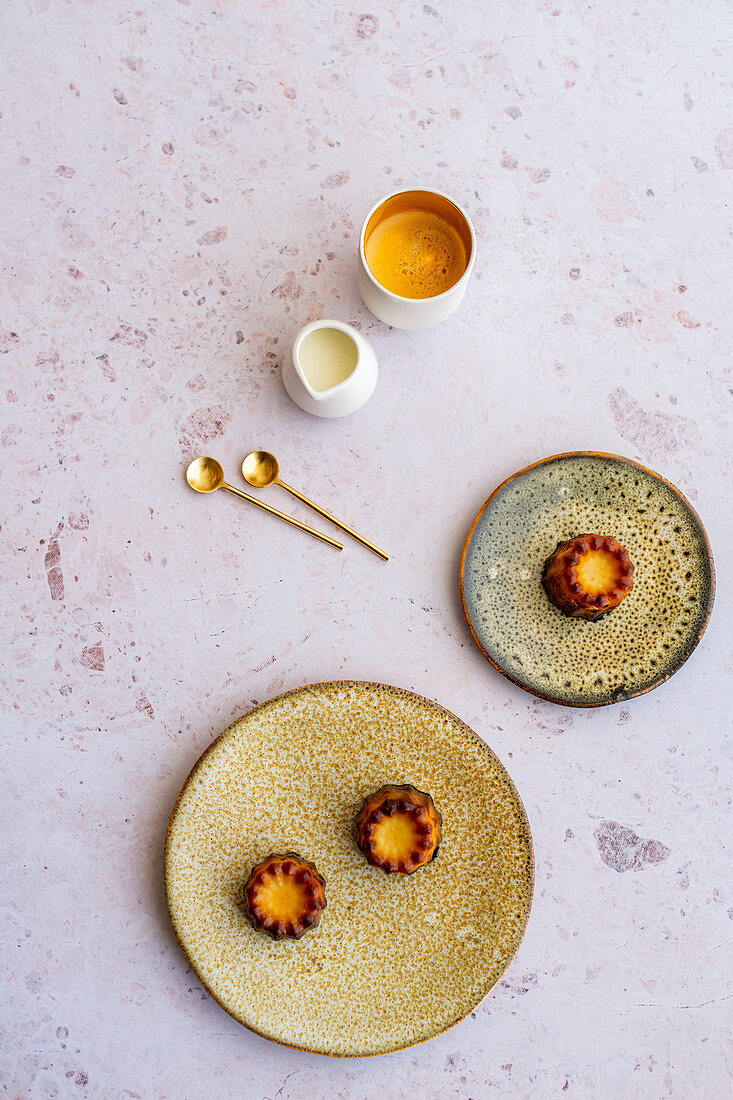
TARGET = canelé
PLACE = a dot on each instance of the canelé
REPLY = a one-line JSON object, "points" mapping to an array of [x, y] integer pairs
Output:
{"points": [[587, 576], [398, 828], [284, 895]]}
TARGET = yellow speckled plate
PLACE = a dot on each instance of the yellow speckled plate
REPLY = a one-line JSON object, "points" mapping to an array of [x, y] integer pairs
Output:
{"points": [[395, 959], [636, 646]]}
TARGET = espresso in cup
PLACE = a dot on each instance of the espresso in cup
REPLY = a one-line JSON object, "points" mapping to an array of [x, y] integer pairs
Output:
{"points": [[416, 254], [416, 244]]}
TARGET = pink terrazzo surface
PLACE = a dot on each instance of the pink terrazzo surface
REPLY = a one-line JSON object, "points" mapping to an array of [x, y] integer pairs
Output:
{"points": [[184, 186]]}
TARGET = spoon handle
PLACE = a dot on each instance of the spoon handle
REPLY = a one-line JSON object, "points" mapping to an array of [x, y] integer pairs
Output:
{"points": [[327, 515], [282, 515]]}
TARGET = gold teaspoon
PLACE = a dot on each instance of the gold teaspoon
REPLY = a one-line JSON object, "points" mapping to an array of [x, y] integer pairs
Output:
{"points": [[206, 474], [260, 468]]}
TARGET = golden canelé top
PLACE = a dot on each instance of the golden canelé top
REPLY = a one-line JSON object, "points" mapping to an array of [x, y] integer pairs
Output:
{"points": [[284, 895], [398, 828], [588, 576]]}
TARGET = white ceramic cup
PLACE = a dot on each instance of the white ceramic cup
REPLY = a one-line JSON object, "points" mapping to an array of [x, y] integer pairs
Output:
{"points": [[415, 313], [305, 381]]}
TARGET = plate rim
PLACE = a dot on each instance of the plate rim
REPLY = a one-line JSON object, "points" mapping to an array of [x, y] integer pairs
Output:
{"points": [[708, 553], [525, 821]]}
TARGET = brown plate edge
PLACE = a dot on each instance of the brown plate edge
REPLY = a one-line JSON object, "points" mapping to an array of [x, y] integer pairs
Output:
{"points": [[708, 550], [530, 869]]}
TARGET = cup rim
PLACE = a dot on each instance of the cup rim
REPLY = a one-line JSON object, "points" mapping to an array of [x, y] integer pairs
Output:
{"points": [[400, 297], [306, 330]]}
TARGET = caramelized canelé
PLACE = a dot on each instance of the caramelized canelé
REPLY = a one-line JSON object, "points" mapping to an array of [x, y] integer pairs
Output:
{"points": [[588, 576], [398, 828], [284, 895]]}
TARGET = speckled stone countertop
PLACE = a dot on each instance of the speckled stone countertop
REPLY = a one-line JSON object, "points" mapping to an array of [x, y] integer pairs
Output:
{"points": [[184, 186]]}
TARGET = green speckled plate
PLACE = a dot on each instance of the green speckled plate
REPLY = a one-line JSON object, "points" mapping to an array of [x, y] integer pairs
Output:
{"points": [[640, 643], [396, 959]]}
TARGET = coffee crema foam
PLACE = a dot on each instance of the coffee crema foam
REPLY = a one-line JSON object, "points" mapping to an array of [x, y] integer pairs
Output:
{"points": [[416, 254]]}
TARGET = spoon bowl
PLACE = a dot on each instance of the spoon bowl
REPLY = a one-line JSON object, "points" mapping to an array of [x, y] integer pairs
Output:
{"points": [[205, 474], [260, 468]]}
